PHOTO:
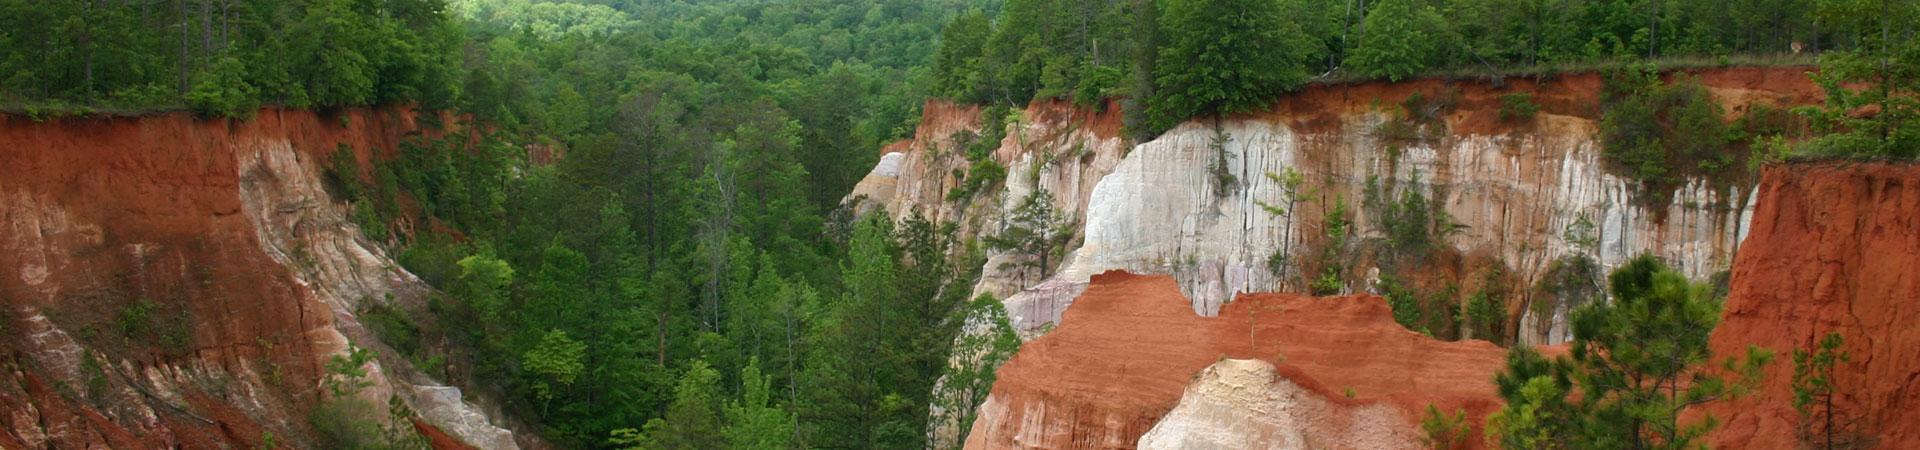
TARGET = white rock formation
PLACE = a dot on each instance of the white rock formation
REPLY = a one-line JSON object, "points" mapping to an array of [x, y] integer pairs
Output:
{"points": [[1244, 404], [1513, 195]]}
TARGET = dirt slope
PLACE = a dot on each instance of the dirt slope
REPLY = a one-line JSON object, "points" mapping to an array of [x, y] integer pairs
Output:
{"points": [[1835, 248], [176, 282], [1130, 345]]}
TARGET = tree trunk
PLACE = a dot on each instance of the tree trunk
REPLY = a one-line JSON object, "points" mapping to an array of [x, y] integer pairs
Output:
{"points": [[86, 47], [206, 28], [180, 6], [1653, 34]]}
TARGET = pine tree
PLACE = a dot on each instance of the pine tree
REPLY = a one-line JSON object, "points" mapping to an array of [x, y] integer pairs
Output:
{"points": [[1033, 231], [1637, 362], [1227, 56]]}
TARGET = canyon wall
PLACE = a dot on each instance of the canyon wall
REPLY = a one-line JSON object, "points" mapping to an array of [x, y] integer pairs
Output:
{"points": [[1131, 352], [176, 282], [1513, 187], [1834, 249]]}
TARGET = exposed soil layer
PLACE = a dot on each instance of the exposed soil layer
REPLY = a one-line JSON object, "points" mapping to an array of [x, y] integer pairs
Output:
{"points": [[1835, 247], [1129, 346], [100, 217]]}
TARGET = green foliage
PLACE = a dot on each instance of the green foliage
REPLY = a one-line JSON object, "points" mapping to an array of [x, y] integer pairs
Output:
{"points": [[1408, 308], [139, 57], [1336, 226], [753, 421], [1873, 89], [557, 360], [1518, 107], [1220, 166], [345, 420], [347, 374], [987, 342], [1442, 431], [1824, 422], [1660, 134], [957, 65], [223, 91], [984, 173], [1290, 182], [393, 327], [1399, 40], [1227, 56], [135, 320], [1637, 363], [694, 420], [1035, 231], [1539, 413], [1485, 316]]}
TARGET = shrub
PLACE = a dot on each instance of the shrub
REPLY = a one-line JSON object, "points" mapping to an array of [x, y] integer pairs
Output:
{"points": [[1518, 107], [223, 91], [1660, 134], [984, 172], [1220, 166], [1444, 431]]}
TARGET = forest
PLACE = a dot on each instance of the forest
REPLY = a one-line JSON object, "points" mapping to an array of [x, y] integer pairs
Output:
{"points": [[684, 277]]}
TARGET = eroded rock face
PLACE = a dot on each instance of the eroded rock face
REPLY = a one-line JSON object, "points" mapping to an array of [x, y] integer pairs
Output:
{"points": [[1130, 347], [251, 268], [1246, 404], [1833, 250], [1512, 188]]}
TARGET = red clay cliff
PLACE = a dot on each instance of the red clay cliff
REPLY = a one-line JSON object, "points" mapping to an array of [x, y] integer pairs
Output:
{"points": [[1130, 345], [1835, 248]]}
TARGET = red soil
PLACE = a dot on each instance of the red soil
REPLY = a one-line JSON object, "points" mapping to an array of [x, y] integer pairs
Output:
{"points": [[97, 212], [1834, 248], [1127, 348], [436, 438], [1319, 108], [1106, 122]]}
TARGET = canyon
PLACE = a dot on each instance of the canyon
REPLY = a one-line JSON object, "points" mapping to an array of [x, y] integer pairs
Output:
{"points": [[1512, 188], [1131, 366], [171, 281], [1112, 360]]}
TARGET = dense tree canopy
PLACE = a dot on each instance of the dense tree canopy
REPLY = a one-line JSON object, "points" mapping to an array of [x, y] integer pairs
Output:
{"points": [[1227, 55]]}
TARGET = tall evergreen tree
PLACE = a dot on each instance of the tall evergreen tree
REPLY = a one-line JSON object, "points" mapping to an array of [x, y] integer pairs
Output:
{"points": [[1227, 56]]}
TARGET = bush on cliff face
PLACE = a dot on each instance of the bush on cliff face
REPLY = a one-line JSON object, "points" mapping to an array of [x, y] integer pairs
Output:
{"points": [[1637, 362], [1660, 133]]}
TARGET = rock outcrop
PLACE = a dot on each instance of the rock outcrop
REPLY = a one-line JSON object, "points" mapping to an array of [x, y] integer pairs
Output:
{"points": [[1513, 186], [1834, 249], [1130, 347], [1246, 404], [219, 237]]}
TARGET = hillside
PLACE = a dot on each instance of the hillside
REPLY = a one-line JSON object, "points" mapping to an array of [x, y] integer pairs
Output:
{"points": [[175, 282]]}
